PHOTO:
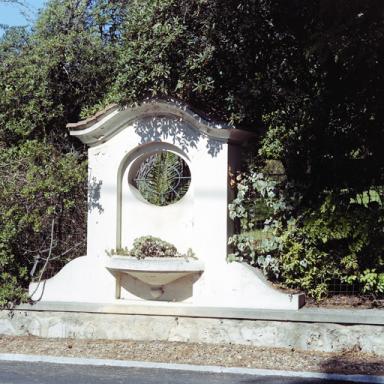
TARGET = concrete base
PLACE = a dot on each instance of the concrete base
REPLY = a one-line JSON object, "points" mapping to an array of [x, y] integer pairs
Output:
{"points": [[121, 140], [89, 279], [300, 332]]}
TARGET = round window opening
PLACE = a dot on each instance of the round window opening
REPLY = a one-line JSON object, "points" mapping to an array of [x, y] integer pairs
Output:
{"points": [[162, 178]]}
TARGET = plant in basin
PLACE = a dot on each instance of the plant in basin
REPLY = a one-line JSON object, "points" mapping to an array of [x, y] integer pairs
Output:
{"points": [[150, 246], [154, 262]]}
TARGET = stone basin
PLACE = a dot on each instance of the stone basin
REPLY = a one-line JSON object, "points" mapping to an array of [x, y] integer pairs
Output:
{"points": [[155, 271]]}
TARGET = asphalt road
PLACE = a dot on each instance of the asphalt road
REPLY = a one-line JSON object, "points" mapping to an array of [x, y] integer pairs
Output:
{"points": [[46, 373]]}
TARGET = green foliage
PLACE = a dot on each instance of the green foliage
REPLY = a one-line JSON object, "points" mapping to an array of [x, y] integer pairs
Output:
{"points": [[47, 76], [260, 212], [37, 185], [373, 281], [338, 239], [327, 129], [310, 91], [212, 55], [149, 246]]}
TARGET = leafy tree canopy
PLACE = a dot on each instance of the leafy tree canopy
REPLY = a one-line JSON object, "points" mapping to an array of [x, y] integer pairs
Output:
{"points": [[307, 75], [47, 75]]}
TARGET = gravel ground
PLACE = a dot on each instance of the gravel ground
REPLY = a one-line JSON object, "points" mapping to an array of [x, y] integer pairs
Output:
{"points": [[201, 354], [350, 302]]}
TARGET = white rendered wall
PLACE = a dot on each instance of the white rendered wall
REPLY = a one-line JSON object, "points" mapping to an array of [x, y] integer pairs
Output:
{"points": [[118, 214], [197, 221]]}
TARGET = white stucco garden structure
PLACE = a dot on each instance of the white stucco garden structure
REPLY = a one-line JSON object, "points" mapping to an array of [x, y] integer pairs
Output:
{"points": [[119, 141]]}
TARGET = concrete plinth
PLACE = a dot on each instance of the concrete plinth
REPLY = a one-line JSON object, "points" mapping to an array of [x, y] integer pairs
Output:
{"points": [[308, 329]]}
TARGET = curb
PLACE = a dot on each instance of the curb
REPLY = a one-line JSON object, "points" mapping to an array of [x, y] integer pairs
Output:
{"points": [[190, 367]]}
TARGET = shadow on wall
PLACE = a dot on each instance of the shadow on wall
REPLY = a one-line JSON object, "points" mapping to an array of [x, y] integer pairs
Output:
{"points": [[94, 187], [156, 129], [178, 132]]}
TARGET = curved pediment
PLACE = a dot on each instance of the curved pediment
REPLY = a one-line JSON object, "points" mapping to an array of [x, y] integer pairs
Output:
{"points": [[105, 124]]}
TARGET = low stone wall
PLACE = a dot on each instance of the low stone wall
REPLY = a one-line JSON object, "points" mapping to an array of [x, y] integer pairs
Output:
{"points": [[314, 336]]}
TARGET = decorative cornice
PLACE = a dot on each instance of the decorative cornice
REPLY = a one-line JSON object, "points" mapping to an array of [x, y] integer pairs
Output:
{"points": [[82, 124], [106, 123]]}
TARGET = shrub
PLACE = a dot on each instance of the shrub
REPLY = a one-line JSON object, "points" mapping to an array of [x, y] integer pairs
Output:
{"points": [[338, 241], [309, 245], [48, 74], [42, 208]]}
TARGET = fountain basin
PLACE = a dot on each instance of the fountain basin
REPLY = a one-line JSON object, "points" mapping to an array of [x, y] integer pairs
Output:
{"points": [[155, 271]]}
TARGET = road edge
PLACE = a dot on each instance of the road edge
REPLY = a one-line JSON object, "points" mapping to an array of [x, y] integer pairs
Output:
{"points": [[189, 367]]}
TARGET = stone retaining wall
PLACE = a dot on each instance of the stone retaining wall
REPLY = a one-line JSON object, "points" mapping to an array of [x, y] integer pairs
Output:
{"points": [[325, 337]]}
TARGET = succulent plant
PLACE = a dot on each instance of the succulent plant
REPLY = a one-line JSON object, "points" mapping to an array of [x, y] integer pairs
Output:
{"points": [[150, 246]]}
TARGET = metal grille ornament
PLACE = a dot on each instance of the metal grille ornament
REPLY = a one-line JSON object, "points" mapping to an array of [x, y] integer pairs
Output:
{"points": [[163, 178]]}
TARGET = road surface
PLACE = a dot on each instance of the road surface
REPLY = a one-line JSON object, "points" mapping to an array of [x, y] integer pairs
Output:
{"points": [[47, 373]]}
